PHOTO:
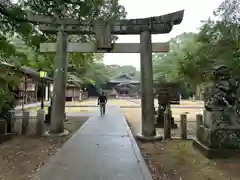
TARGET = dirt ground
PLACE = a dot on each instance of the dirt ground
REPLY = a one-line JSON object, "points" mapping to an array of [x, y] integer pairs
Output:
{"points": [[172, 160], [134, 117], [89, 102], [177, 160], [73, 109], [23, 156]]}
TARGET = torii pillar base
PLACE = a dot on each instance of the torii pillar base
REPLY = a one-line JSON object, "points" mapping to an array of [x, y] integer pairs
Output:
{"points": [[49, 134], [142, 138]]}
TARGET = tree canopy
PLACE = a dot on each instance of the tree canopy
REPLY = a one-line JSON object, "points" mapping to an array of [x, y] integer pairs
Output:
{"points": [[189, 61], [19, 39], [192, 56]]}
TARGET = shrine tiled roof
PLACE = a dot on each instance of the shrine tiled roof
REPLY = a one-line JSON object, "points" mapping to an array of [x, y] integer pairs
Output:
{"points": [[123, 77], [26, 70], [125, 84], [33, 73]]}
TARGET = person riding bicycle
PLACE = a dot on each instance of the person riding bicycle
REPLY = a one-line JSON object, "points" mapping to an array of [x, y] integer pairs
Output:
{"points": [[102, 100]]}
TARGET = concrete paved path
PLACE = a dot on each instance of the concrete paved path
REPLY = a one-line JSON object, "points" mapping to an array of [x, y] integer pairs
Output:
{"points": [[103, 149]]}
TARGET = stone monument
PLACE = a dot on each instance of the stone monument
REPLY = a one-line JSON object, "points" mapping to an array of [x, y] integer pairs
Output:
{"points": [[219, 133]]}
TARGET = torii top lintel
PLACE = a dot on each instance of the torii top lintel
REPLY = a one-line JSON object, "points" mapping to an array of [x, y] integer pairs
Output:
{"points": [[156, 25]]}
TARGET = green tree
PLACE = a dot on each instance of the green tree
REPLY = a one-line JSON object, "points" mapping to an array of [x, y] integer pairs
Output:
{"points": [[20, 39], [80, 63], [114, 70], [192, 56]]}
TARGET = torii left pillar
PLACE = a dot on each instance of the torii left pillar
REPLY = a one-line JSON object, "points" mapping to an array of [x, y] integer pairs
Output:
{"points": [[59, 85]]}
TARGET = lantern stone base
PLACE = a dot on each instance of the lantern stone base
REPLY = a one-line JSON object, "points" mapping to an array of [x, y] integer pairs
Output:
{"points": [[219, 135], [214, 153]]}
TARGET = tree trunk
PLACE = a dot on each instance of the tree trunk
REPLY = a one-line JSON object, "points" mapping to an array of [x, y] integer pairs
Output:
{"points": [[198, 93]]}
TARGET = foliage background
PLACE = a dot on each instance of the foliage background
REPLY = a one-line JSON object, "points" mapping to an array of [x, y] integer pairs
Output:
{"points": [[189, 62], [193, 55]]}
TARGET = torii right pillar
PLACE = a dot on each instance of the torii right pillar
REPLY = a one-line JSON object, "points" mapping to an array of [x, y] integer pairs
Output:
{"points": [[147, 99], [161, 25]]}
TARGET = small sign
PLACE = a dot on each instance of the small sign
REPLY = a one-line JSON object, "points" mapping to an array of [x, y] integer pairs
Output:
{"points": [[103, 34], [105, 42]]}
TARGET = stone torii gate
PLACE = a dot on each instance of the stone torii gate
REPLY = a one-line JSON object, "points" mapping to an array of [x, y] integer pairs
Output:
{"points": [[103, 30]]}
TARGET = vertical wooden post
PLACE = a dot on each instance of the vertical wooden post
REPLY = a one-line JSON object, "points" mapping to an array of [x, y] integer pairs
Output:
{"points": [[10, 121], [167, 126], [25, 90], [199, 121], [46, 91], [3, 127], [36, 92], [49, 92], [73, 93], [169, 112], [183, 126], [40, 122], [25, 122]]}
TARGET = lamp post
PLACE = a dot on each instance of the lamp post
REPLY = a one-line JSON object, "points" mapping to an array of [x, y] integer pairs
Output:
{"points": [[42, 76]]}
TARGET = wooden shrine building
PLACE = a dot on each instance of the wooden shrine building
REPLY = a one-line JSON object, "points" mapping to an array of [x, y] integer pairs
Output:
{"points": [[122, 85], [30, 86]]}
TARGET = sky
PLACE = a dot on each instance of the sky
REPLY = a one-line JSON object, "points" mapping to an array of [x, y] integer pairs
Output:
{"points": [[195, 11]]}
